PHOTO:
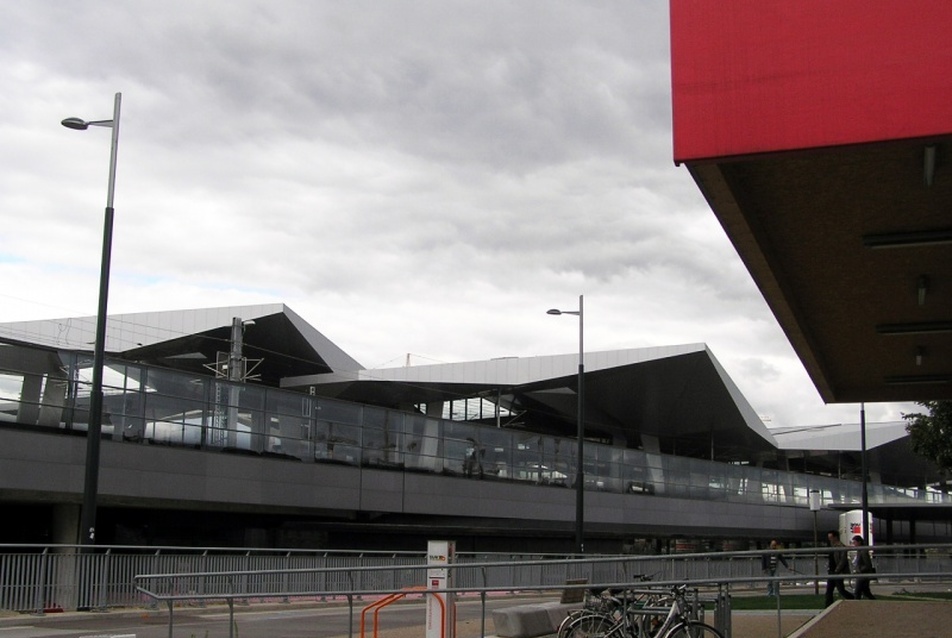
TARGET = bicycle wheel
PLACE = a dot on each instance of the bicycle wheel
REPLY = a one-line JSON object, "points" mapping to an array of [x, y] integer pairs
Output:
{"points": [[587, 626], [571, 618], [693, 630]]}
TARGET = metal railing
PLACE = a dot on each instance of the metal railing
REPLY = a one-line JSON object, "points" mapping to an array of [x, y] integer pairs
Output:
{"points": [[34, 579], [715, 573]]}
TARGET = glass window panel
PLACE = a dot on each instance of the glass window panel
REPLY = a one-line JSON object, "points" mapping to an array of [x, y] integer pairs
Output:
{"points": [[497, 444], [337, 441], [676, 476], [529, 465], [558, 460], [463, 453], [383, 437], [173, 384], [10, 388], [252, 423], [422, 444], [636, 475], [289, 424], [122, 405], [612, 460], [338, 411]]}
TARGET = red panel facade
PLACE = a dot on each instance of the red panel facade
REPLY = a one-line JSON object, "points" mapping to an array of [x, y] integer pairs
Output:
{"points": [[754, 76]]}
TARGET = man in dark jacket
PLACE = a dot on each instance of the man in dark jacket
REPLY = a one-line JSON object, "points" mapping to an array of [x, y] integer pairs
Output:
{"points": [[769, 563], [837, 563], [863, 564]]}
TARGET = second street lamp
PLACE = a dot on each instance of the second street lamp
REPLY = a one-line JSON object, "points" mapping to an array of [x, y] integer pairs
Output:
{"points": [[87, 529], [580, 398]]}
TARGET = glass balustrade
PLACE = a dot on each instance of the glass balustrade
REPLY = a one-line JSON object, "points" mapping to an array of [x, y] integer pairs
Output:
{"points": [[145, 405]]}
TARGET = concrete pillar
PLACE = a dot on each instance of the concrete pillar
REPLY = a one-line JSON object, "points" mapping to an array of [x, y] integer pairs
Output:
{"points": [[65, 528], [652, 447], [29, 409], [63, 567], [54, 399]]}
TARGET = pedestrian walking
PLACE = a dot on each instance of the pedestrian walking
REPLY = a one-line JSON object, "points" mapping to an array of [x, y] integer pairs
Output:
{"points": [[838, 566], [862, 566], [769, 563]]}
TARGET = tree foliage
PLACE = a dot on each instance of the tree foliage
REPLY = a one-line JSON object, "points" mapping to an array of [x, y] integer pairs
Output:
{"points": [[931, 433]]}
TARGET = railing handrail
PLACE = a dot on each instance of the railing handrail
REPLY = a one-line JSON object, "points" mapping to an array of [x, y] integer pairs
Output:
{"points": [[719, 584], [882, 550], [37, 577]]}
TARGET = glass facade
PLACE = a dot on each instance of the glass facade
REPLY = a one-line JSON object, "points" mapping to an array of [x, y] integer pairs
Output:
{"points": [[143, 404]]}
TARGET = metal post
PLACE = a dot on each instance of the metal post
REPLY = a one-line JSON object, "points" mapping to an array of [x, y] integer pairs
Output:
{"points": [[235, 371], [580, 473], [87, 535], [580, 422], [235, 374], [865, 471], [815, 500]]}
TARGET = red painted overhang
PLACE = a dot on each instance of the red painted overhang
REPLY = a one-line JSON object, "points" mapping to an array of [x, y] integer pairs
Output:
{"points": [[756, 76]]}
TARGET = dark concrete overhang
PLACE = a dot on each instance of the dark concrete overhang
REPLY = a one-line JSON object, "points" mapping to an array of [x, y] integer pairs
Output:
{"points": [[821, 136], [847, 246]]}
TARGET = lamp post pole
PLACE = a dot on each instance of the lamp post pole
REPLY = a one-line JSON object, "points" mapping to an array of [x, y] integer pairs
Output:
{"points": [[87, 529], [865, 471], [580, 422], [815, 500]]}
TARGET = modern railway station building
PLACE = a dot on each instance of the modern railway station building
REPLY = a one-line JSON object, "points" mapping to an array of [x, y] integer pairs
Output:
{"points": [[821, 136]]}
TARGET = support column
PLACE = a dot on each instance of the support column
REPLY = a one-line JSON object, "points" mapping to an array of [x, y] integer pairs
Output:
{"points": [[29, 409], [54, 400], [63, 568], [652, 447]]}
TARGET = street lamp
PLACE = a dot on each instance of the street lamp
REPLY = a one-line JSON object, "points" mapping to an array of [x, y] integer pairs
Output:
{"points": [[580, 397], [87, 524]]}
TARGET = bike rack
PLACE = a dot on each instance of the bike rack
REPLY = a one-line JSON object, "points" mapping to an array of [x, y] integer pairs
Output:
{"points": [[389, 600]]}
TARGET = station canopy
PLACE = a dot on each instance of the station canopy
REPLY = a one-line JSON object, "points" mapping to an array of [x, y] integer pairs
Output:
{"points": [[821, 136]]}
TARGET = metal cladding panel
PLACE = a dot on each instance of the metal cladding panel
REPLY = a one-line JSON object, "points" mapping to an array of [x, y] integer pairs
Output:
{"points": [[755, 76], [519, 370]]}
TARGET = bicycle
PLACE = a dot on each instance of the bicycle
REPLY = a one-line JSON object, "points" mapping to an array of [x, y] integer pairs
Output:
{"points": [[681, 620], [637, 614]]}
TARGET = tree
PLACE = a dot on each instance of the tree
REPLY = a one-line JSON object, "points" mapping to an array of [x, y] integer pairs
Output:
{"points": [[931, 434]]}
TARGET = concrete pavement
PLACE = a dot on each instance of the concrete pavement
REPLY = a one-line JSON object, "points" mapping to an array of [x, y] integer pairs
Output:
{"points": [[845, 619]]}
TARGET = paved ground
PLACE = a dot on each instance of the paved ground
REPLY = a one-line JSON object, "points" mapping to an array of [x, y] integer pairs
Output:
{"points": [[845, 619], [875, 619]]}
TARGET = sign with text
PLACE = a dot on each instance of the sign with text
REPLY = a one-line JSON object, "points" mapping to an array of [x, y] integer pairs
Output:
{"points": [[440, 604]]}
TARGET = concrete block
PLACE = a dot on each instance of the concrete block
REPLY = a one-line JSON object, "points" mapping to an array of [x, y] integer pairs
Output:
{"points": [[528, 621]]}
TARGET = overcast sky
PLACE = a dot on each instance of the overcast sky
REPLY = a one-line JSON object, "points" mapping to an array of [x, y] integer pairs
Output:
{"points": [[423, 177]]}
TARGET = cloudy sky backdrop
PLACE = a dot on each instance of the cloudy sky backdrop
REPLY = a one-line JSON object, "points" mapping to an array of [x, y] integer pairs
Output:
{"points": [[423, 177]]}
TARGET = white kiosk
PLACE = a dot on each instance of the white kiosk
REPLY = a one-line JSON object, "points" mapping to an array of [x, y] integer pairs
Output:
{"points": [[440, 605], [851, 524]]}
